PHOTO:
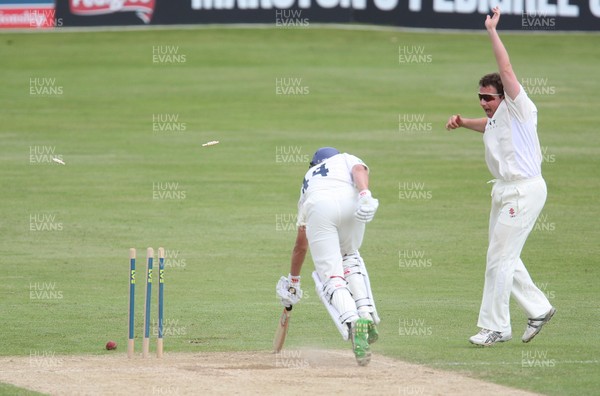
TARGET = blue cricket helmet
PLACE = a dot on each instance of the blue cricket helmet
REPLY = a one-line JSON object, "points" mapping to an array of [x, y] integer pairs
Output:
{"points": [[322, 154]]}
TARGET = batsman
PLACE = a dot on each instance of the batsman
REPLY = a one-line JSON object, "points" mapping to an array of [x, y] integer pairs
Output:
{"points": [[334, 206]]}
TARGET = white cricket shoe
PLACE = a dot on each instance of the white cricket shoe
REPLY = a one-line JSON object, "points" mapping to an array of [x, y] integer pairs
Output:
{"points": [[487, 337], [534, 326]]}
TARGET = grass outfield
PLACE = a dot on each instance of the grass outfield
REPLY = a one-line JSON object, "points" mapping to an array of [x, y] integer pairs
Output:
{"points": [[225, 213]]}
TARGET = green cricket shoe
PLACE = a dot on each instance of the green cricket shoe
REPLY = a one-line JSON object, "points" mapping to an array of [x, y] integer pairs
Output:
{"points": [[373, 333], [360, 343]]}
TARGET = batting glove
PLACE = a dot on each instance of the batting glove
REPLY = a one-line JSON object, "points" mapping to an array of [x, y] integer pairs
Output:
{"points": [[288, 290], [367, 206]]}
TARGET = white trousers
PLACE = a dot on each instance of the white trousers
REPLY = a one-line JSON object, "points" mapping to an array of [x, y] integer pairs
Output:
{"points": [[332, 230], [515, 209]]}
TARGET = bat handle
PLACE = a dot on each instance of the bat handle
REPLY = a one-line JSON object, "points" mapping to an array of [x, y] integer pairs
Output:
{"points": [[289, 308]]}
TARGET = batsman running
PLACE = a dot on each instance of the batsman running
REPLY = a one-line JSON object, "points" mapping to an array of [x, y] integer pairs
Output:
{"points": [[335, 205]]}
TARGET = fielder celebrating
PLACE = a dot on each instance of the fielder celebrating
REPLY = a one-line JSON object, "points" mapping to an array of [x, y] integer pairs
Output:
{"points": [[513, 156], [335, 203]]}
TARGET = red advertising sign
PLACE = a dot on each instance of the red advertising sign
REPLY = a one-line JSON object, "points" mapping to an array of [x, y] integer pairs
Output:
{"points": [[27, 17], [142, 8]]}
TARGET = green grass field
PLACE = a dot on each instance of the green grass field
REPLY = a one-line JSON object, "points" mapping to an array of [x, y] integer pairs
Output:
{"points": [[225, 213]]}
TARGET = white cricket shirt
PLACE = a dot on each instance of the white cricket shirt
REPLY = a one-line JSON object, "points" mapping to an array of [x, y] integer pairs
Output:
{"points": [[512, 147], [332, 176]]}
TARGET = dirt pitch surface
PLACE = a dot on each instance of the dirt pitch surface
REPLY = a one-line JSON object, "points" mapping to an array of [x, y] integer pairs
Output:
{"points": [[293, 372]]}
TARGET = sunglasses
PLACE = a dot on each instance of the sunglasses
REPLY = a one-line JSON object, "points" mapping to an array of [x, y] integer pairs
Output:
{"points": [[488, 97]]}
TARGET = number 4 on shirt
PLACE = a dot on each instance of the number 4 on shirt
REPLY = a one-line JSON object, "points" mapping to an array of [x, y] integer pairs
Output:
{"points": [[321, 170]]}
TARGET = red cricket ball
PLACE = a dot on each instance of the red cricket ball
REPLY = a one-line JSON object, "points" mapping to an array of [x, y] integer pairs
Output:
{"points": [[111, 345]]}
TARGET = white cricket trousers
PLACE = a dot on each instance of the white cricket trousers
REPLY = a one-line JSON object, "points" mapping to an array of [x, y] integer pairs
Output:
{"points": [[332, 230], [515, 208]]}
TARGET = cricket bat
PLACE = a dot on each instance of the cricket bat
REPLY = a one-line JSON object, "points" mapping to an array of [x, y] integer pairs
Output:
{"points": [[282, 328]]}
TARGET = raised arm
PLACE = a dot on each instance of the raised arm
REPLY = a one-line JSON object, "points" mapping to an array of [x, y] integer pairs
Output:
{"points": [[509, 79]]}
